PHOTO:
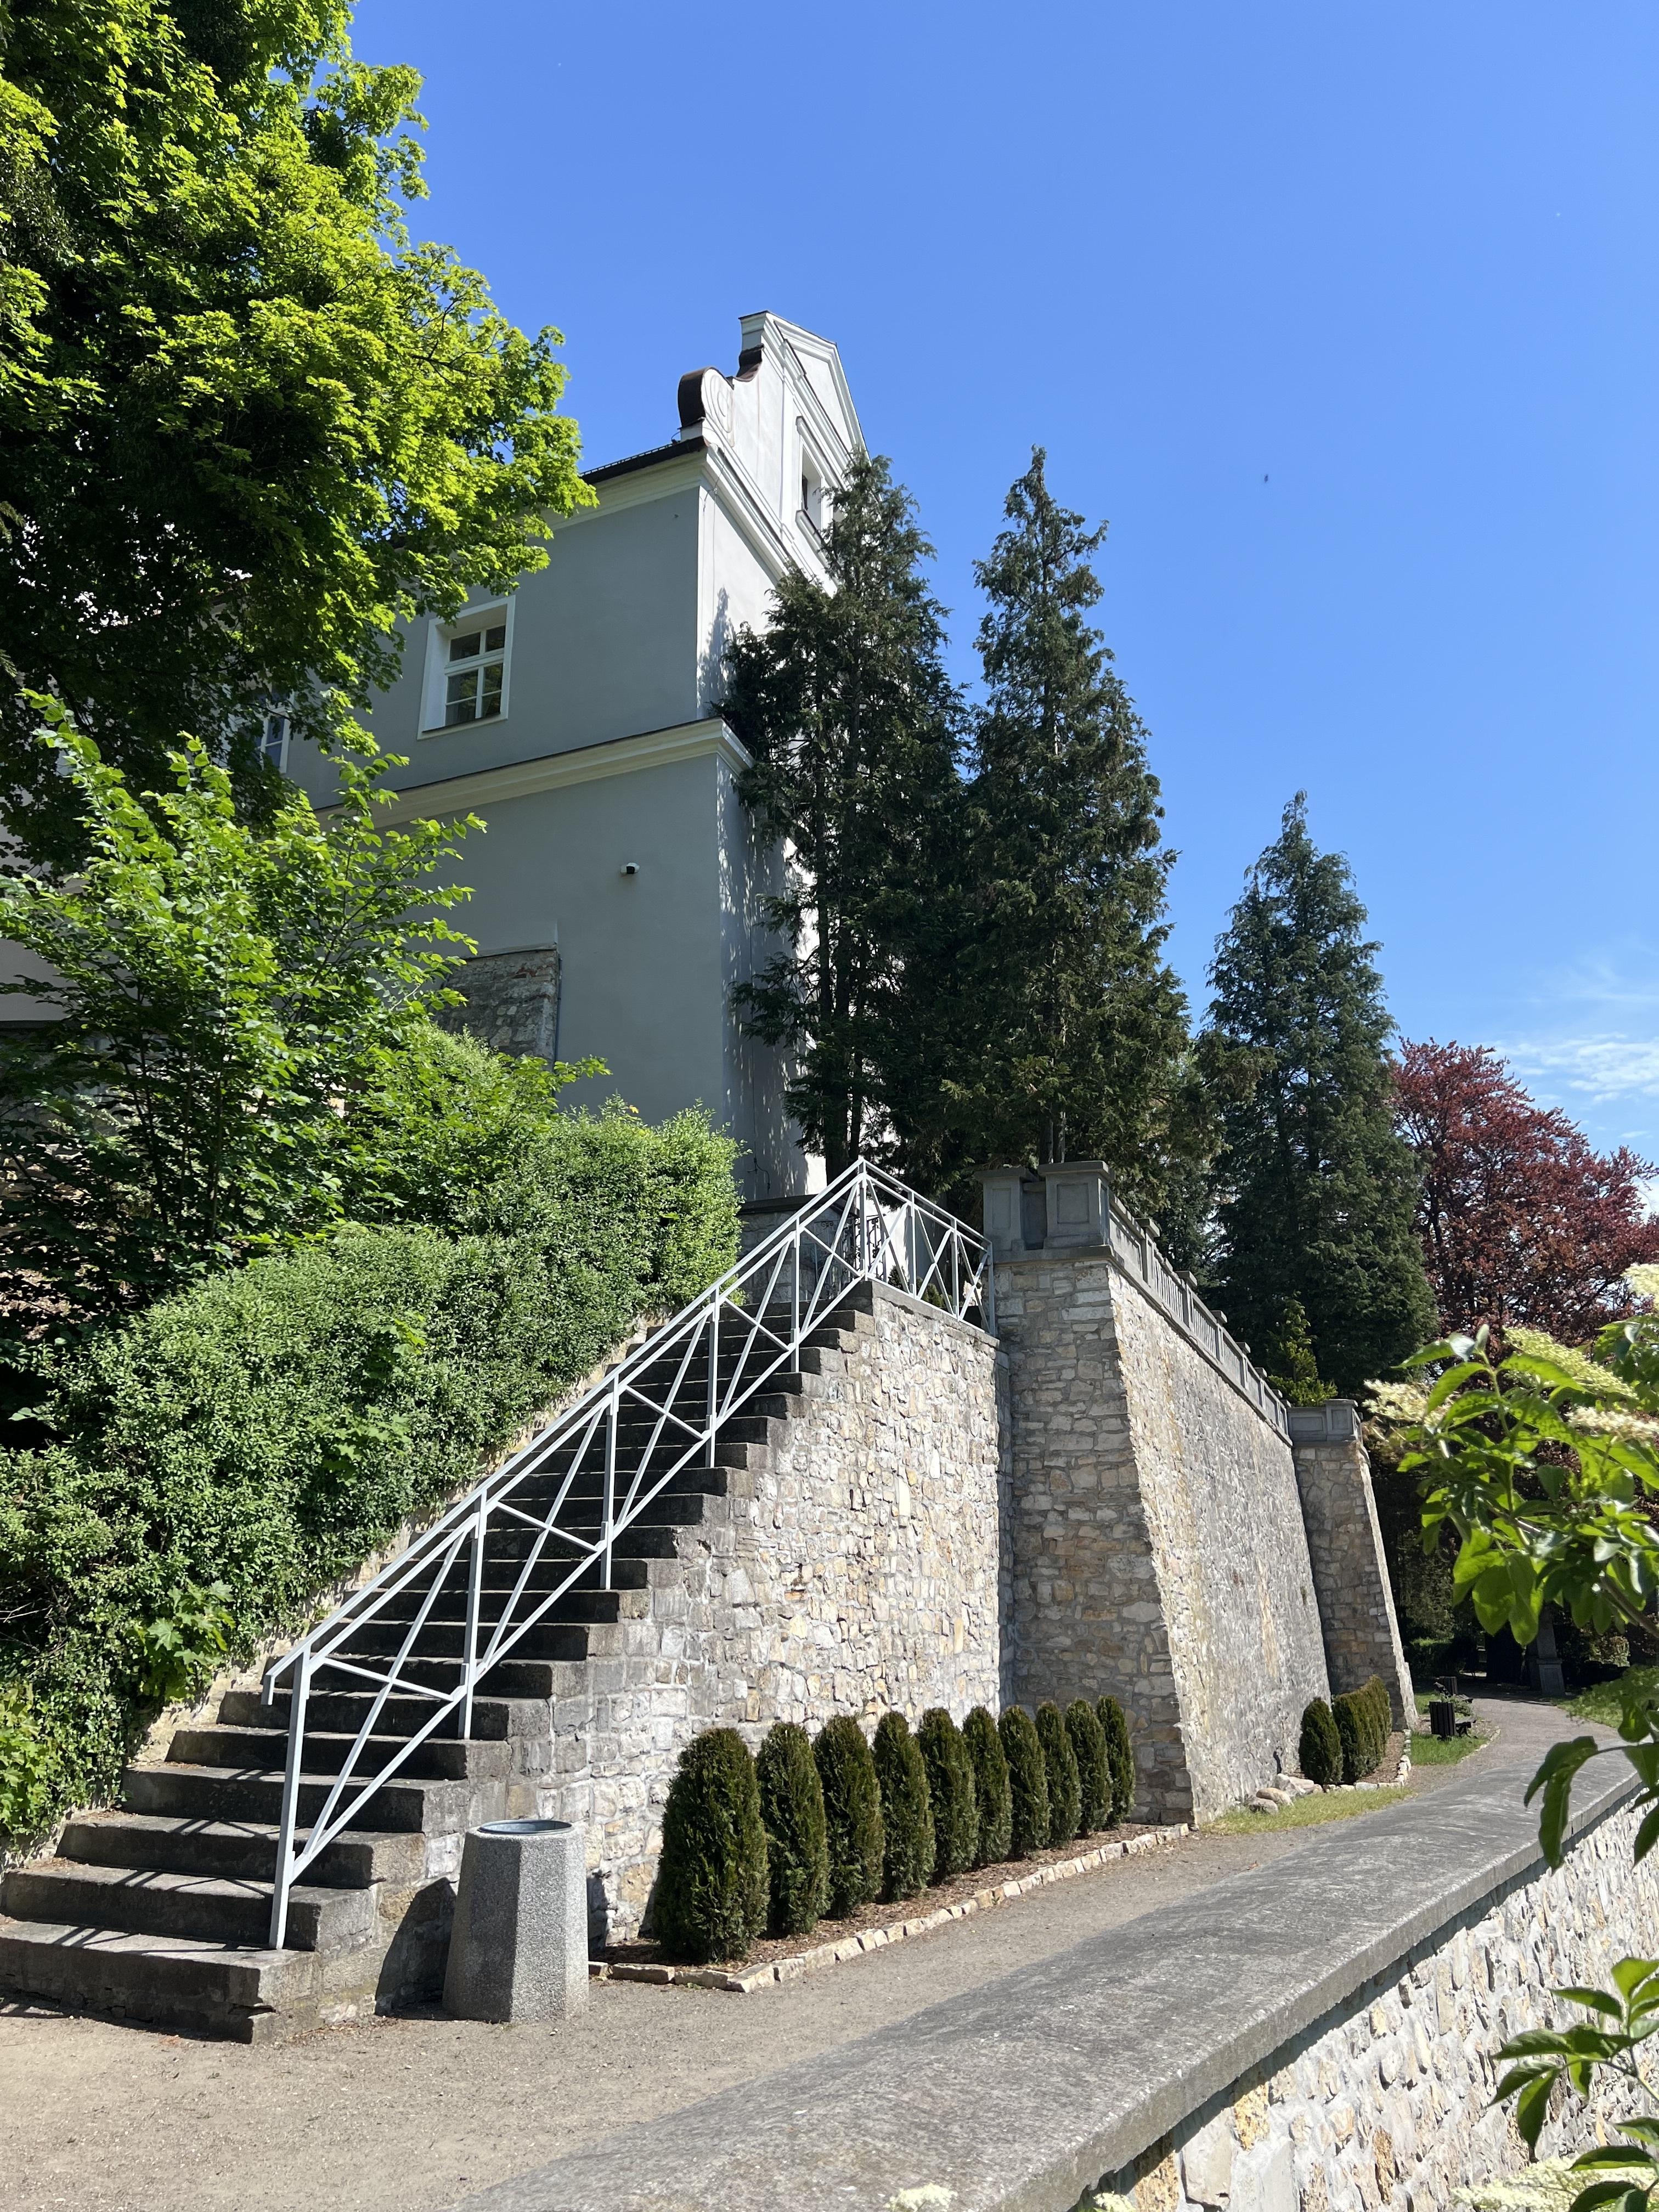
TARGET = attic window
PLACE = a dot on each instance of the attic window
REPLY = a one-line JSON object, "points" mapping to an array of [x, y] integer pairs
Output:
{"points": [[813, 506], [466, 669]]}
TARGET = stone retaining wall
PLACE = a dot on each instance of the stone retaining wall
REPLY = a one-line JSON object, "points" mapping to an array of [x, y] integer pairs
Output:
{"points": [[1387, 2101], [854, 1566]]}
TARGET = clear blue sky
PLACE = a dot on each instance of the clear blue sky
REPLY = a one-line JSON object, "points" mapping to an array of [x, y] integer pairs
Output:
{"points": [[1345, 314]]}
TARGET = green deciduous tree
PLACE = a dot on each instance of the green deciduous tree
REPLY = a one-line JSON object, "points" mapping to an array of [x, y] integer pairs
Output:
{"points": [[1316, 1189], [245, 424], [225, 994], [1074, 1040], [846, 706]]}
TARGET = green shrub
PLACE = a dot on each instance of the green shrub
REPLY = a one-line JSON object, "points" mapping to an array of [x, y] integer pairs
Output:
{"points": [[270, 1427], [907, 1817], [1320, 1748], [852, 1810], [1115, 1728], [1094, 1766], [991, 1793], [797, 1840], [951, 1794], [24, 1793], [1065, 1794], [712, 1887], [1028, 1783], [1363, 1720]]}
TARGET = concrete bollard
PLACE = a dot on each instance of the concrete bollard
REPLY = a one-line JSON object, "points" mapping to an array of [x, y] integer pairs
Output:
{"points": [[519, 1947]]}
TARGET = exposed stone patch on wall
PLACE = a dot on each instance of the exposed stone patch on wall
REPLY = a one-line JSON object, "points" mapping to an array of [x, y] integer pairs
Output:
{"points": [[1156, 1551], [1387, 2101], [854, 1565], [1344, 1542], [512, 1001]]}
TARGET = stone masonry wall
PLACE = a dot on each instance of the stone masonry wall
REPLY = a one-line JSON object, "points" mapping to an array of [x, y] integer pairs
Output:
{"points": [[853, 1566], [1388, 2100], [1344, 1542], [1157, 1550], [512, 1001]]}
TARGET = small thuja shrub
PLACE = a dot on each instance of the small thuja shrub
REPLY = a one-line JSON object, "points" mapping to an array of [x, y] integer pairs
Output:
{"points": [[712, 1887], [905, 1813], [797, 1837], [1363, 1729], [990, 1791], [1065, 1793], [1114, 1727], [1094, 1768], [1378, 1691], [951, 1794], [1321, 1747], [855, 1837], [1028, 1782]]}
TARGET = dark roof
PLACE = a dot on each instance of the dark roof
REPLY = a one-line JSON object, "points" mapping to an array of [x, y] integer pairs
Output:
{"points": [[654, 459]]}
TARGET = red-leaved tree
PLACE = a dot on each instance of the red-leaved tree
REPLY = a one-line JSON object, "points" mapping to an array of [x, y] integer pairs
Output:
{"points": [[1521, 1220]]}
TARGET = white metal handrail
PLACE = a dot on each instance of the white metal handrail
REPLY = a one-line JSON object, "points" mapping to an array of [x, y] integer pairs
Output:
{"points": [[866, 1226]]}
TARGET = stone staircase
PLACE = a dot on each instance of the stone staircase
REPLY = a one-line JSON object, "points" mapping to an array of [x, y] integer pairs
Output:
{"points": [[158, 1913]]}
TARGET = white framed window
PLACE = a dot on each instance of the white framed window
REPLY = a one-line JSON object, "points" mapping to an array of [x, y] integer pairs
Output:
{"points": [[814, 510], [273, 741], [467, 670]]}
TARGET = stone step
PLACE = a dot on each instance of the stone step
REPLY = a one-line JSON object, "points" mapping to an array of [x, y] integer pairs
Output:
{"points": [[235, 1851], [204, 1908], [225, 1990], [381, 1639], [440, 1759], [214, 1793], [495, 1720]]}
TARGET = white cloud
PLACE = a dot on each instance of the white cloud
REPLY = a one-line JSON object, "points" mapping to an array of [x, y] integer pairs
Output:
{"points": [[1601, 1068]]}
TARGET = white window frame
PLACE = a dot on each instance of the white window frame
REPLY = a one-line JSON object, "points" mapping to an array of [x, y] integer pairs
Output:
{"points": [[813, 514], [278, 758], [435, 704]]}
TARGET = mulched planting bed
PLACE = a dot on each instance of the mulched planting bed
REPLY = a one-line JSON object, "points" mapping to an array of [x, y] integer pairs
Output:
{"points": [[875, 1926]]}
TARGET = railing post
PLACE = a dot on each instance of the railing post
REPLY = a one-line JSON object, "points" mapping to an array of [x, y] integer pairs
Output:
{"points": [[794, 1295], [955, 1271], [474, 1606], [608, 1531], [713, 1381], [299, 1697]]}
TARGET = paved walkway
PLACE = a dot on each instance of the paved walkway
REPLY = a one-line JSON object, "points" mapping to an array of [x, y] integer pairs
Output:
{"points": [[414, 2115]]}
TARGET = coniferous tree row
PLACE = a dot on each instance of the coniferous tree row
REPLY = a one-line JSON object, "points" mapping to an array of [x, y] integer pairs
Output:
{"points": [[1315, 1191], [854, 726]]}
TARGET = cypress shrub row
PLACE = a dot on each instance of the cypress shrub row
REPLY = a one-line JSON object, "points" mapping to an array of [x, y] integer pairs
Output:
{"points": [[1320, 1748], [771, 1843], [1363, 1720], [1115, 1728]]}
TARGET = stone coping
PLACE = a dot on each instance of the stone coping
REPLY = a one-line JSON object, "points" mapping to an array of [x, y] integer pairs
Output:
{"points": [[745, 1980], [1022, 2095]]}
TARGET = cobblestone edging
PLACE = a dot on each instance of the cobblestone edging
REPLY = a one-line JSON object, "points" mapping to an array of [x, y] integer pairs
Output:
{"points": [[743, 1982]]}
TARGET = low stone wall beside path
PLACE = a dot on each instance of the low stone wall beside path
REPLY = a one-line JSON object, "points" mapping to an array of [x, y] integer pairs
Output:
{"points": [[1313, 2035]]}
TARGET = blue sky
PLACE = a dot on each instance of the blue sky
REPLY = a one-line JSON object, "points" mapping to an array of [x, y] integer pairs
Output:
{"points": [[1345, 314]]}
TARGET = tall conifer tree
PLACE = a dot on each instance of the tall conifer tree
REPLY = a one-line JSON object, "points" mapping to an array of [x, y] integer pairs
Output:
{"points": [[1316, 1190], [853, 724], [1073, 1027]]}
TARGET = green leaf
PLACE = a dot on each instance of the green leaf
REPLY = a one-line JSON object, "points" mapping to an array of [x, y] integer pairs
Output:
{"points": [[1531, 2110]]}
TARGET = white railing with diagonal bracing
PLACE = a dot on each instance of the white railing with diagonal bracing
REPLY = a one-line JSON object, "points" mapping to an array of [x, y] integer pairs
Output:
{"points": [[563, 1500]]}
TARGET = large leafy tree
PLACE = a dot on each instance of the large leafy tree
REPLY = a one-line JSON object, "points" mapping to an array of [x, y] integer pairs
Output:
{"points": [[244, 425], [1520, 1220], [227, 1000], [1073, 1033], [853, 724], [1317, 1190]]}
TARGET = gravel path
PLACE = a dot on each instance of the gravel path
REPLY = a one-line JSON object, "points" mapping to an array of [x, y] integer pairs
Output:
{"points": [[401, 2115]]}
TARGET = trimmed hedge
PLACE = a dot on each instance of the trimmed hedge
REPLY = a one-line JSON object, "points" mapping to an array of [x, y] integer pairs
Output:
{"points": [[1065, 1792], [797, 1840], [1028, 1782], [1320, 1751], [272, 1426], [856, 1838], [712, 1884], [990, 1791], [1365, 1720], [1094, 1767], [951, 1794], [906, 1812], [1114, 1727]]}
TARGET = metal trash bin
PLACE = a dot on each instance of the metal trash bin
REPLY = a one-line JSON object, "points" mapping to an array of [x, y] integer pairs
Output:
{"points": [[518, 1951]]}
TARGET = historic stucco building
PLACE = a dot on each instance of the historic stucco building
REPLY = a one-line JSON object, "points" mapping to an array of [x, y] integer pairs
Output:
{"points": [[618, 892]]}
